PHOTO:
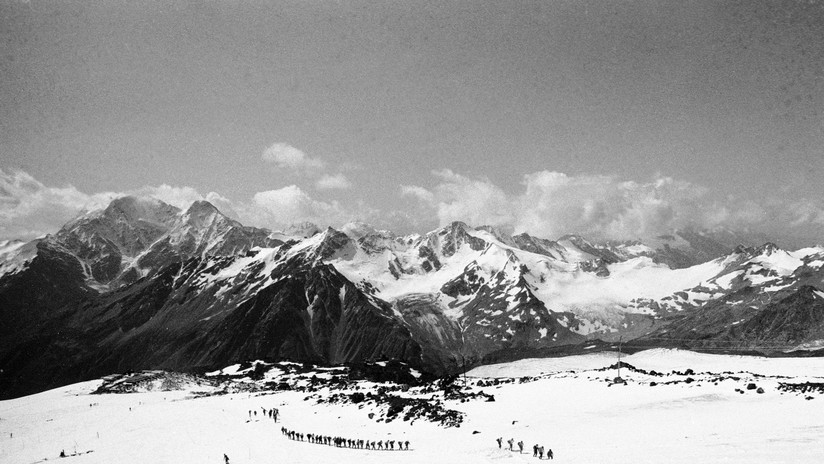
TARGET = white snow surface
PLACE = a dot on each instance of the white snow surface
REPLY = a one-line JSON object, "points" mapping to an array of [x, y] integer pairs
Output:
{"points": [[575, 412], [661, 360]]}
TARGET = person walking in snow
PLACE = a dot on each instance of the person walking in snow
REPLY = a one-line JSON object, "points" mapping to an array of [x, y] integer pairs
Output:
{"points": [[534, 451], [549, 454], [511, 441], [540, 452], [225, 459], [520, 447], [407, 445], [499, 439]]}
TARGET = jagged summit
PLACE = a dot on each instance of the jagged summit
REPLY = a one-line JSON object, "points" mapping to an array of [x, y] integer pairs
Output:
{"points": [[202, 207], [131, 208], [135, 236], [126, 211], [742, 249], [768, 248], [203, 216]]}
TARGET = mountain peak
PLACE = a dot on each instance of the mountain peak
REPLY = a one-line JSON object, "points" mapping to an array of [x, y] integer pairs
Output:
{"points": [[201, 207], [768, 248], [742, 249], [133, 208], [331, 242]]}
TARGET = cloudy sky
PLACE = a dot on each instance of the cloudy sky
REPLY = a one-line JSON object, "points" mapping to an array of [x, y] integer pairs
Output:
{"points": [[610, 119]]}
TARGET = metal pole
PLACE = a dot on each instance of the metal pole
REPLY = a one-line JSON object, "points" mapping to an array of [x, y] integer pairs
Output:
{"points": [[619, 356], [463, 359]]}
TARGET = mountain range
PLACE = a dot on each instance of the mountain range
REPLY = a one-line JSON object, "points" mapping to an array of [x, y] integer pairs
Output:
{"points": [[145, 285]]}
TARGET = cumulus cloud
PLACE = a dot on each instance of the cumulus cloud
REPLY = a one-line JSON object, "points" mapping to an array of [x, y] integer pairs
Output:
{"points": [[476, 201], [285, 156], [291, 205], [332, 182], [603, 206]]}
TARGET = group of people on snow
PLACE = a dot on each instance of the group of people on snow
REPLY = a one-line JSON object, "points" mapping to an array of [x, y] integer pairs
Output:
{"points": [[537, 450], [342, 442], [271, 413]]}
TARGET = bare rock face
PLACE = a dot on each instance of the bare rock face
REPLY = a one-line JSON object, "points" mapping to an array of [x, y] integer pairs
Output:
{"points": [[104, 240], [792, 320], [199, 231]]}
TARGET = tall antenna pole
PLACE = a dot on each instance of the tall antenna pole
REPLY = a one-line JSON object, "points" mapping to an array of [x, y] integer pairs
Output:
{"points": [[463, 359], [619, 355]]}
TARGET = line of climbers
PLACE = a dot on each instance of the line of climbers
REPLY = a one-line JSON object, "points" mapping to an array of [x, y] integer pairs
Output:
{"points": [[341, 442]]}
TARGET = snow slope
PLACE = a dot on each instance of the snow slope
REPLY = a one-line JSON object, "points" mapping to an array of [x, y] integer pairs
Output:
{"points": [[15, 255], [576, 412], [661, 360]]}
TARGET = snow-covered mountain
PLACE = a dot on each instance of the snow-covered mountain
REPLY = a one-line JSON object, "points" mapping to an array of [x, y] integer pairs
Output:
{"points": [[143, 285], [133, 237]]}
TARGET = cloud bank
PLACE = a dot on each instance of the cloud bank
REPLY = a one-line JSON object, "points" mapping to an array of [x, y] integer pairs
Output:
{"points": [[550, 204], [29, 209], [546, 204]]}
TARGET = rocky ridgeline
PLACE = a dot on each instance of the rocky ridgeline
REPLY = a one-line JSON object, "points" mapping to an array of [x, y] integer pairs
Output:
{"points": [[806, 388], [147, 381], [391, 390]]}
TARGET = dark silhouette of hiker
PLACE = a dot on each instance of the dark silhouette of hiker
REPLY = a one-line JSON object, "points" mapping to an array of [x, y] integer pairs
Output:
{"points": [[540, 452], [549, 454], [511, 441], [225, 459], [499, 439], [520, 447], [407, 445], [534, 450]]}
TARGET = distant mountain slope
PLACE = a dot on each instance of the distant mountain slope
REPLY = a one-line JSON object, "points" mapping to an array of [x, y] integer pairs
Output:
{"points": [[142, 285]]}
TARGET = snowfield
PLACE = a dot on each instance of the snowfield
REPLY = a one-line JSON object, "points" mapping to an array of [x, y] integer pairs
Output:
{"points": [[567, 404]]}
